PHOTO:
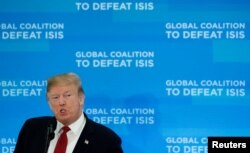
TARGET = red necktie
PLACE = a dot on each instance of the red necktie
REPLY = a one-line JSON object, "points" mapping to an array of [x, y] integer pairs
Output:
{"points": [[61, 144]]}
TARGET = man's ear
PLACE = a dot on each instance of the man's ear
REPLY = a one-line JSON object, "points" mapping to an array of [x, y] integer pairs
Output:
{"points": [[50, 106], [81, 99]]}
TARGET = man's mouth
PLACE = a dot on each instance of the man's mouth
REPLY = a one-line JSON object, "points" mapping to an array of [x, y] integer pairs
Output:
{"points": [[62, 110]]}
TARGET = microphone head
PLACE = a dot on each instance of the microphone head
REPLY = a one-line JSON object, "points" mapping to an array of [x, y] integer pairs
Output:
{"points": [[51, 128], [51, 135]]}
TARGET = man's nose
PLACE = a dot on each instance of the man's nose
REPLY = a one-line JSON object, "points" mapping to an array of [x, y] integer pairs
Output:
{"points": [[62, 100]]}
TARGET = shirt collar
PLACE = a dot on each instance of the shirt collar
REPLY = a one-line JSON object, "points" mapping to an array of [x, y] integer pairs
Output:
{"points": [[75, 127]]}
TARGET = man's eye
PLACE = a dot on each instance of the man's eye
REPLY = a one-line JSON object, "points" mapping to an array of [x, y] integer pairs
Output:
{"points": [[55, 97], [67, 95]]}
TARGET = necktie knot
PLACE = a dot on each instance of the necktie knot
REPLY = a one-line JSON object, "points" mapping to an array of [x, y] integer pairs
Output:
{"points": [[65, 129]]}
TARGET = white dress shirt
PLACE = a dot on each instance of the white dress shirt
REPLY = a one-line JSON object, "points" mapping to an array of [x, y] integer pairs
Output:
{"points": [[73, 135]]}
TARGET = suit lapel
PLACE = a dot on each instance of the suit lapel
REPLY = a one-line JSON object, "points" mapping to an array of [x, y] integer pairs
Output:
{"points": [[84, 141]]}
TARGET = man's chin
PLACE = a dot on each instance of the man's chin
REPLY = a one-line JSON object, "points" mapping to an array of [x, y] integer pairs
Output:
{"points": [[64, 119]]}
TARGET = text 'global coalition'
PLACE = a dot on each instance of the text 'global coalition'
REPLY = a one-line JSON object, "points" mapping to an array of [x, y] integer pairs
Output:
{"points": [[115, 54]]}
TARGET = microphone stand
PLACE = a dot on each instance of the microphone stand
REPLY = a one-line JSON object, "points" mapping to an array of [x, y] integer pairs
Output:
{"points": [[49, 136]]}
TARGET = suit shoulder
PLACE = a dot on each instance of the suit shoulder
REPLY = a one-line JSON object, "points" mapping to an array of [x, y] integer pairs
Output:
{"points": [[36, 121], [103, 130], [39, 119]]}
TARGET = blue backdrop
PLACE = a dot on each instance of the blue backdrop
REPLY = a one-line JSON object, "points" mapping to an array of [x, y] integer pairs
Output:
{"points": [[163, 74]]}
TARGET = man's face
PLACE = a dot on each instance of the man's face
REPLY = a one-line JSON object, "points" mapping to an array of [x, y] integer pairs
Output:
{"points": [[66, 103]]}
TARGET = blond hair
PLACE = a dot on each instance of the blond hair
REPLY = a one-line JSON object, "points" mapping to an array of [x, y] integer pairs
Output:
{"points": [[65, 79]]}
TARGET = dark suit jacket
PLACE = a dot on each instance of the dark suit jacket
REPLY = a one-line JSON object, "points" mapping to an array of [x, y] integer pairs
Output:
{"points": [[95, 138]]}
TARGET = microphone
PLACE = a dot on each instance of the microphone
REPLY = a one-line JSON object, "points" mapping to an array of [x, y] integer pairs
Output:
{"points": [[50, 134]]}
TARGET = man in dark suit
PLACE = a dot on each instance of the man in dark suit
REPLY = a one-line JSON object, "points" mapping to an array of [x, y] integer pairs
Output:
{"points": [[65, 96]]}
